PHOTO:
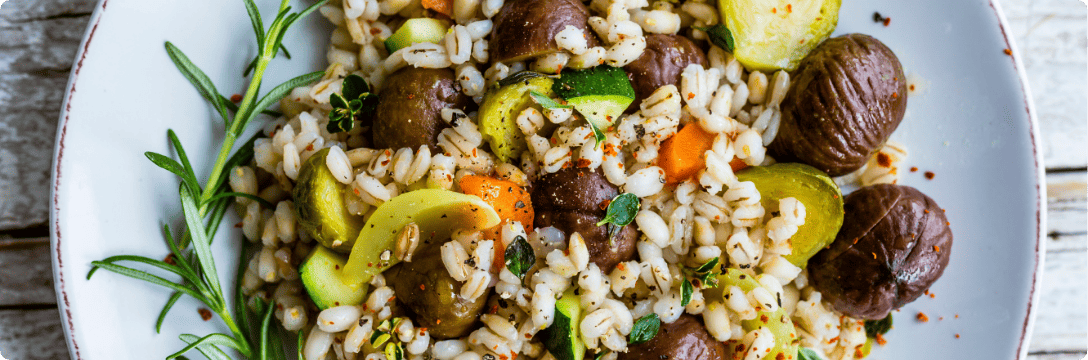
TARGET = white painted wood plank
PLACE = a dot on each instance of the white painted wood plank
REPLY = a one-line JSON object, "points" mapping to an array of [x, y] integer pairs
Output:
{"points": [[1067, 216], [27, 273], [32, 335], [1062, 321], [1051, 36]]}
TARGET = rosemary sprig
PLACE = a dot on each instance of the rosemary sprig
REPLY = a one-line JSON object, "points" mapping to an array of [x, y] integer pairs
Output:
{"points": [[204, 206]]}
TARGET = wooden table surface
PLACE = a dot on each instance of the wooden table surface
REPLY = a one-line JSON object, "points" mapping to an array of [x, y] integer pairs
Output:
{"points": [[38, 40]]}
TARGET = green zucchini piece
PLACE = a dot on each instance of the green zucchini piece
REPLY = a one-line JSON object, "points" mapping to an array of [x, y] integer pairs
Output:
{"points": [[813, 188], [500, 109], [437, 212], [600, 93], [776, 34], [778, 322], [417, 30], [319, 276], [563, 339]]}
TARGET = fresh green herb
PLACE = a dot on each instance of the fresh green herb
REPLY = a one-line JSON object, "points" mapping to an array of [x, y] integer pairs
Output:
{"points": [[705, 274], [804, 353], [547, 102], [721, 36], [878, 327], [708, 266], [685, 292], [356, 102], [204, 206], [598, 135], [621, 211], [520, 257], [645, 328]]}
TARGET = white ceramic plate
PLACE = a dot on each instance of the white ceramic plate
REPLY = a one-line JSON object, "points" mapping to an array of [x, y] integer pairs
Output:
{"points": [[970, 122]]}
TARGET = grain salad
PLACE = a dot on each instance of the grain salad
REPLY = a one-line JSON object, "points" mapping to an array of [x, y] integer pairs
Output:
{"points": [[617, 179]]}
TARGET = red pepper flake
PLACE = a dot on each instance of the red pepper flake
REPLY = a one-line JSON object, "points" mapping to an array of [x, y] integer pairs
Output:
{"points": [[957, 336], [887, 21], [932, 296], [238, 225], [880, 339], [930, 175], [422, 287], [874, 256], [763, 318], [774, 10], [205, 314], [789, 7], [895, 95], [411, 96], [584, 163], [528, 336], [310, 147], [375, 31], [337, 267], [833, 340], [691, 96], [437, 321], [913, 169], [780, 356], [883, 159], [940, 318], [922, 317], [936, 248], [1008, 52], [235, 98], [911, 87], [170, 260], [957, 316]]}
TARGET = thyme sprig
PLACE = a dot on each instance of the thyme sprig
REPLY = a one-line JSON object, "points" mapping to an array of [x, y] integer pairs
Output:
{"points": [[203, 207]]}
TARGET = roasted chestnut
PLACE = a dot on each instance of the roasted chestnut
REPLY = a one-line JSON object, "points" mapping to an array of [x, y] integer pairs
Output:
{"points": [[894, 243], [846, 98]]}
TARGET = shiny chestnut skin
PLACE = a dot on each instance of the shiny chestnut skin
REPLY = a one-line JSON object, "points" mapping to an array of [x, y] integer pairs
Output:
{"points": [[845, 99], [683, 339], [894, 244], [526, 28], [409, 112], [431, 297], [574, 200], [660, 64]]}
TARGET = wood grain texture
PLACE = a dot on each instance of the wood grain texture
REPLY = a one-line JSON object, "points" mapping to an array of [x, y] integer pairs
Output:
{"points": [[1060, 324], [32, 335], [1051, 36], [28, 274], [38, 41]]}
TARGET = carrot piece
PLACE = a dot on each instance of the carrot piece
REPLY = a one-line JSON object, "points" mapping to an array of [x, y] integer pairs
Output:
{"points": [[737, 164], [511, 201], [440, 6], [681, 156]]}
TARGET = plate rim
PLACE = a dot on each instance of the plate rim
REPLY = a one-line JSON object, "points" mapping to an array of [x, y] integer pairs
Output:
{"points": [[55, 229]]}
